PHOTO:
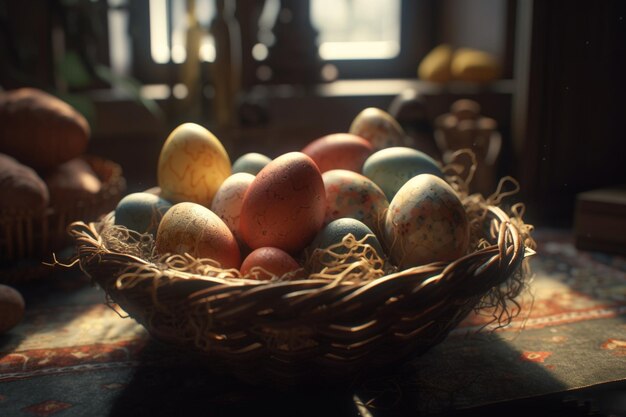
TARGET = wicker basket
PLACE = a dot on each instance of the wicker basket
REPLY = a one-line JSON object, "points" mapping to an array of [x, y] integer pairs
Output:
{"points": [[27, 238], [294, 331]]}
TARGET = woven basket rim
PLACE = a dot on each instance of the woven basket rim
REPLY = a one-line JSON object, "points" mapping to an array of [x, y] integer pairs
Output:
{"points": [[337, 328]]}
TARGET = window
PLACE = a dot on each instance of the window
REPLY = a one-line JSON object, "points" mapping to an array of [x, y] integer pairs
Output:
{"points": [[357, 29], [362, 38]]}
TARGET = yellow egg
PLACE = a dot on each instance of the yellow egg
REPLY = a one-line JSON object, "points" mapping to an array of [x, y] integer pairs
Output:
{"points": [[435, 66], [192, 165]]}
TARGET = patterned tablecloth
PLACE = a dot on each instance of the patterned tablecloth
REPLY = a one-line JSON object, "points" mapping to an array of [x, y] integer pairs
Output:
{"points": [[73, 356]]}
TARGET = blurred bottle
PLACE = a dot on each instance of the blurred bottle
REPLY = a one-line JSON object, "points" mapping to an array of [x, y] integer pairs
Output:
{"points": [[190, 105], [226, 69]]}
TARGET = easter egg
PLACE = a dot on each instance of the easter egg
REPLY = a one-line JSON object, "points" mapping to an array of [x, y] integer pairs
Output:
{"points": [[196, 230], [250, 163], [285, 204], [11, 308], [141, 212], [265, 263], [425, 223], [339, 151], [336, 230], [229, 199], [378, 127], [391, 168], [192, 165], [349, 194], [334, 233]]}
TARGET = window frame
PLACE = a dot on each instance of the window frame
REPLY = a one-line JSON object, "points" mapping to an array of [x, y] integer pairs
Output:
{"points": [[416, 39]]}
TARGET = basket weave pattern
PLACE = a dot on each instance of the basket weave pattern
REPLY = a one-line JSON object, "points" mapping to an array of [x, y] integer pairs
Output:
{"points": [[293, 331]]}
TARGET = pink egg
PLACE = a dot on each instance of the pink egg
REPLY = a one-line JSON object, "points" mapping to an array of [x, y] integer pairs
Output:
{"points": [[228, 200], [262, 261], [339, 151]]}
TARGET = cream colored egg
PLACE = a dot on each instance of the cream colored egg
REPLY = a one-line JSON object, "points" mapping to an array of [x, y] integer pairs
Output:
{"points": [[379, 128], [229, 199], [425, 223], [192, 165], [189, 228]]}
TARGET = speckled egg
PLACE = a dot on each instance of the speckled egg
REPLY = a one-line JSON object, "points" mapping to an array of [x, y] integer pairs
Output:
{"points": [[228, 200], [196, 230], [250, 163], [339, 151], [285, 204], [425, 223], [378, 127], [141, 212], [349, 194], [266, 263], [192, 165], [391, 168], [11, 308]]}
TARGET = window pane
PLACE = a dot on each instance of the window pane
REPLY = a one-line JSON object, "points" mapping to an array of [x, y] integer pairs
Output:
{"points": [[179, 31], [357, 29], [159, 42]]}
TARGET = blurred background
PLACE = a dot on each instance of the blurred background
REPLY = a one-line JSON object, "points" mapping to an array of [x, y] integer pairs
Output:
{"points": [[270, 76]]}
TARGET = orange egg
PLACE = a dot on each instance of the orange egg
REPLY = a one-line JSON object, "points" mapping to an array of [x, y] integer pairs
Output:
{"points": [[284, 206], [339, 151], [263, 263], [196, 230]]}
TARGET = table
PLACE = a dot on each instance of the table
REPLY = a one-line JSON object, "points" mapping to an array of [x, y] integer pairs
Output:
{"points": [[74, 356]]}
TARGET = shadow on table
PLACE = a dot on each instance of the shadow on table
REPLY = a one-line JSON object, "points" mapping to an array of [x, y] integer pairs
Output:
{"points": [[167, 384]]}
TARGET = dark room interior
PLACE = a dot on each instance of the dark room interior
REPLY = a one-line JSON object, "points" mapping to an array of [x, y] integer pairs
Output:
{"points": [[108, 311]]}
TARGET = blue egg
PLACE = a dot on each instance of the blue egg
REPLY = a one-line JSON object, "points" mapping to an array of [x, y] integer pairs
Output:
{"points": [[335, 231], [391, 168], [141, 212], [250, 163]]}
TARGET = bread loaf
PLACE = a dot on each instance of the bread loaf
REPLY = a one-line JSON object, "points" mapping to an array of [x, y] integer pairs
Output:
{"points": [[72, 181], [20, 186], [40, 130]]}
